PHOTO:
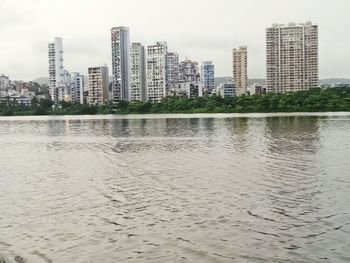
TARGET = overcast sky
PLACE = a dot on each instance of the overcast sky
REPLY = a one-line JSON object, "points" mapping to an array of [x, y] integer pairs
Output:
{"points": [[197, 29]]}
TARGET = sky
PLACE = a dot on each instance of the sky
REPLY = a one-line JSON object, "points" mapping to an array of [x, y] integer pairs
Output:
{"points": [[199, 30]]}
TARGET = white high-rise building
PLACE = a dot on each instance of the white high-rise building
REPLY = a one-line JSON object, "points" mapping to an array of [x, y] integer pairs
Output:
{"points": [[156, 71], [240, 70], [291, 57], [77, 88], [57, 75], [98, 85], [121, 63], [208, 76], [138, 72]]}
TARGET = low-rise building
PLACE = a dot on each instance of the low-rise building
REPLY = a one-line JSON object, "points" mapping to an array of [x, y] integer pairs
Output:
{"points": [[4, 82], [226, 89], [256, 88]]}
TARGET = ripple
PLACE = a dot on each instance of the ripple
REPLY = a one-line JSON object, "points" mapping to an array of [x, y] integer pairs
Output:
{"points": [[224, 189]]}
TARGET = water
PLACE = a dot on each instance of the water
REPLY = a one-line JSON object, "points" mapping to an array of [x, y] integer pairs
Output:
{"points": [[196, 188]]}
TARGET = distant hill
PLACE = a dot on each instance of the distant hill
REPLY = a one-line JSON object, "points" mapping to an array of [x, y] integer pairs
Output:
{"points": [[42, 81], [219, 80], [330, 81]]}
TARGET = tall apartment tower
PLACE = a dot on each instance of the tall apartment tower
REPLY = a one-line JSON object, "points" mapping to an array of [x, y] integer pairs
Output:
{"points": [[172, 70], [120, 63], [156, 71], [208, 76], [77, 88], [240, 70], [98, 85], [57, 74], [291, 57], [138, 73]]}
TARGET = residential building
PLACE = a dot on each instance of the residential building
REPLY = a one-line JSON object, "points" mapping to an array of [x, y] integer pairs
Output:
{"points": [[187, 82], [4, 82], [226, 89], [21, 87], [57, 74], [188, 89], [256, 88], [67, 86], [138, 73], [208, 76], [77, 88], [120, 63], [188, 71], [292, 57], [156, 71], [240, 69], [98, 85], [172, 70]]}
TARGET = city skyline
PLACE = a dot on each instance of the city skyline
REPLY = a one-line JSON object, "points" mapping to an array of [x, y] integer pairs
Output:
{"points": [[87, 41]]}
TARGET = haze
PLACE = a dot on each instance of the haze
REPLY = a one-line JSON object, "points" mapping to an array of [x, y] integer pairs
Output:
{"points": [[196, 29]]}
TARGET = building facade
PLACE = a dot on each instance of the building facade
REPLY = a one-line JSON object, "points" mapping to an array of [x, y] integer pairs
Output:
{"points": [[189, 71], [57, 74], [208, 76], [4, 82], [98, 85], [240, 70], [156, 71], [77, 88], [120, 63], [291, 57], [227, 89], [256, 88], [138, 73], [172, 70]]}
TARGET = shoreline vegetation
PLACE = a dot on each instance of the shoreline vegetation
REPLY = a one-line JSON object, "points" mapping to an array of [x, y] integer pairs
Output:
{"points": [[314, 100]]}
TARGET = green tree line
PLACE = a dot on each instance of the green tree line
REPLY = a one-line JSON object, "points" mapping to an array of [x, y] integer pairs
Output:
{"points": [[315, 100]]}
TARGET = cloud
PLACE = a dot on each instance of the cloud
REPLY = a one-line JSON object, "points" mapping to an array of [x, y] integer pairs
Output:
{"points": [[198, 29]]}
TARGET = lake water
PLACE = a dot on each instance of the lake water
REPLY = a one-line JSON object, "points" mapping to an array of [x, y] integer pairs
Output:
{"points": [[175, 188]]}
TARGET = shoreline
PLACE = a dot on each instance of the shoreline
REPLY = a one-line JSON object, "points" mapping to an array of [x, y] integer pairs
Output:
{"points": [[175, 116]]}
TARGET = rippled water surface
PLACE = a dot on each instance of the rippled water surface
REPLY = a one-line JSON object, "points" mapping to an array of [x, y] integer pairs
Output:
{"points": [[216, 188]]}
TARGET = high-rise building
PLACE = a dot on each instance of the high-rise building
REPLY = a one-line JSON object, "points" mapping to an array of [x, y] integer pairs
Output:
{"points": [[172, 70], [156, 71], [240, 70], [120, 63], [98, 85], [208, 76], [292, 57], [138, 73], [67, 86], [57, 74], [77, 88]]}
